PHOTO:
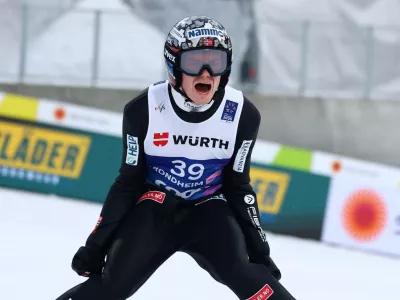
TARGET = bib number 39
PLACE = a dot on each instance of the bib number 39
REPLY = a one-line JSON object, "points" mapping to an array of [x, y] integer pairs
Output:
{"points": [[195, 170], [182, 170]]}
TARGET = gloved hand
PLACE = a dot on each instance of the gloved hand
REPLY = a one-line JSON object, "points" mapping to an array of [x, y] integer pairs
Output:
{"points": [[88, 261], [267, 261]]}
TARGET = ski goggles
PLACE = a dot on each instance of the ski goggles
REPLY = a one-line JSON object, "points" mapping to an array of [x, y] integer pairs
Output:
{"points": [[194, 62]]}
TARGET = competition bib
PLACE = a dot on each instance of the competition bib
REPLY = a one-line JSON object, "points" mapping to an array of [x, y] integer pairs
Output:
{"points": [[188, 158]]}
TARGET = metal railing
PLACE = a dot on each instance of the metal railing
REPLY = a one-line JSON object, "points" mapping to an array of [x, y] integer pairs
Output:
{"points": [[105, 48], [325, 58], [82, 47]]}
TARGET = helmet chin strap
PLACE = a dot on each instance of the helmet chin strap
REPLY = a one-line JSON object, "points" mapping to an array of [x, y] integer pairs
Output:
{"points": [[182, 92]]}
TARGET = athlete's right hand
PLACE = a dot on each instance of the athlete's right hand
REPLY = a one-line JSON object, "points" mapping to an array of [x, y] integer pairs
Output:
{"points": [[88, 261]]}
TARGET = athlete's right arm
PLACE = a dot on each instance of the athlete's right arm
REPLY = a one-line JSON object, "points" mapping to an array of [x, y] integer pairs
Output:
{"points": [[128, 185]]}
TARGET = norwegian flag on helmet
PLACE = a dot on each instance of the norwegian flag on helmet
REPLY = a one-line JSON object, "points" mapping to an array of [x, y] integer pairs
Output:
{"points": [[208, 42]]}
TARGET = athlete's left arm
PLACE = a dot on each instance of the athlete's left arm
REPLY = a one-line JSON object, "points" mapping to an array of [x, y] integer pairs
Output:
{"points": [[239, 192]]}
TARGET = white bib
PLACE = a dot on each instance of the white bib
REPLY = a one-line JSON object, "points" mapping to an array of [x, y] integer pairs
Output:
{"points": [[188, 158]]}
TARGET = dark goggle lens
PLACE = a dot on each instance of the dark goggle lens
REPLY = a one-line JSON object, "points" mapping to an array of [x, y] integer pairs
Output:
{"points": [[192, 62]]}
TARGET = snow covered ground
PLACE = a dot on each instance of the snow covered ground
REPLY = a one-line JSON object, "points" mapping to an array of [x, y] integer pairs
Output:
{"points": [[40, 234]]}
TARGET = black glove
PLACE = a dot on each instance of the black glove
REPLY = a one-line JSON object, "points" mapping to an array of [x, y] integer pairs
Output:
{"points": [[267, 261], [88, 261]]}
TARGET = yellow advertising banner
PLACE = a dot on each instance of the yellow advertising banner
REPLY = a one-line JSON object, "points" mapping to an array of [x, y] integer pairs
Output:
{"points": [[43, 150], [270, 187], [19, 107]]}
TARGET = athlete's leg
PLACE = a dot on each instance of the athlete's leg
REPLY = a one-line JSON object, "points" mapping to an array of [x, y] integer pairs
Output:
{"points": [[142, 243], [217, 244]]}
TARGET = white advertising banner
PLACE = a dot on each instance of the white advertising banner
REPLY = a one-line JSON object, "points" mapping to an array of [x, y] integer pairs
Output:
{"points": [[363, 214], [79, 117], [333, 165]]}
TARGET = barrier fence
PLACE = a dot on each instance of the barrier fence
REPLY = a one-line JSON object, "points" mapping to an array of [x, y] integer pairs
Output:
{"points": [[56, 148], [84, 47]]}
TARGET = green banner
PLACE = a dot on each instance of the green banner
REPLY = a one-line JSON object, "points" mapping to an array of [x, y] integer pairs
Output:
{"points": [[82, 165], [55, 160], [290, 201]]}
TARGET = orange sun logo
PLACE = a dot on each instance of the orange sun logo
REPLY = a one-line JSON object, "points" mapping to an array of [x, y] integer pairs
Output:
{"points": [[364, 215], [60, 114]]}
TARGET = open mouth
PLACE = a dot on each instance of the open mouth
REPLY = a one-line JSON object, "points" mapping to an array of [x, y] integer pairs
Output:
{"points": [[203, 88]]}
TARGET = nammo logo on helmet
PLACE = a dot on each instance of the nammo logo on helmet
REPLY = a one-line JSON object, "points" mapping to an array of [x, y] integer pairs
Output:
{"points": [[195, 33]]}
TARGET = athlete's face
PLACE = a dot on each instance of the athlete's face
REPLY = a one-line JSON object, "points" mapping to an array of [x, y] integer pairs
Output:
{"points": [[200, 89]]}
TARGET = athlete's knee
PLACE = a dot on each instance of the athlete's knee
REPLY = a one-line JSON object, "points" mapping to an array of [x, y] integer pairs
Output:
{"points": [[272, 291]]}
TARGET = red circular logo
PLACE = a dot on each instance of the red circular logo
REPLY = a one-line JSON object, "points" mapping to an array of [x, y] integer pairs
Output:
{"points": [[59, 114], [336, 166], [364, 215]]}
